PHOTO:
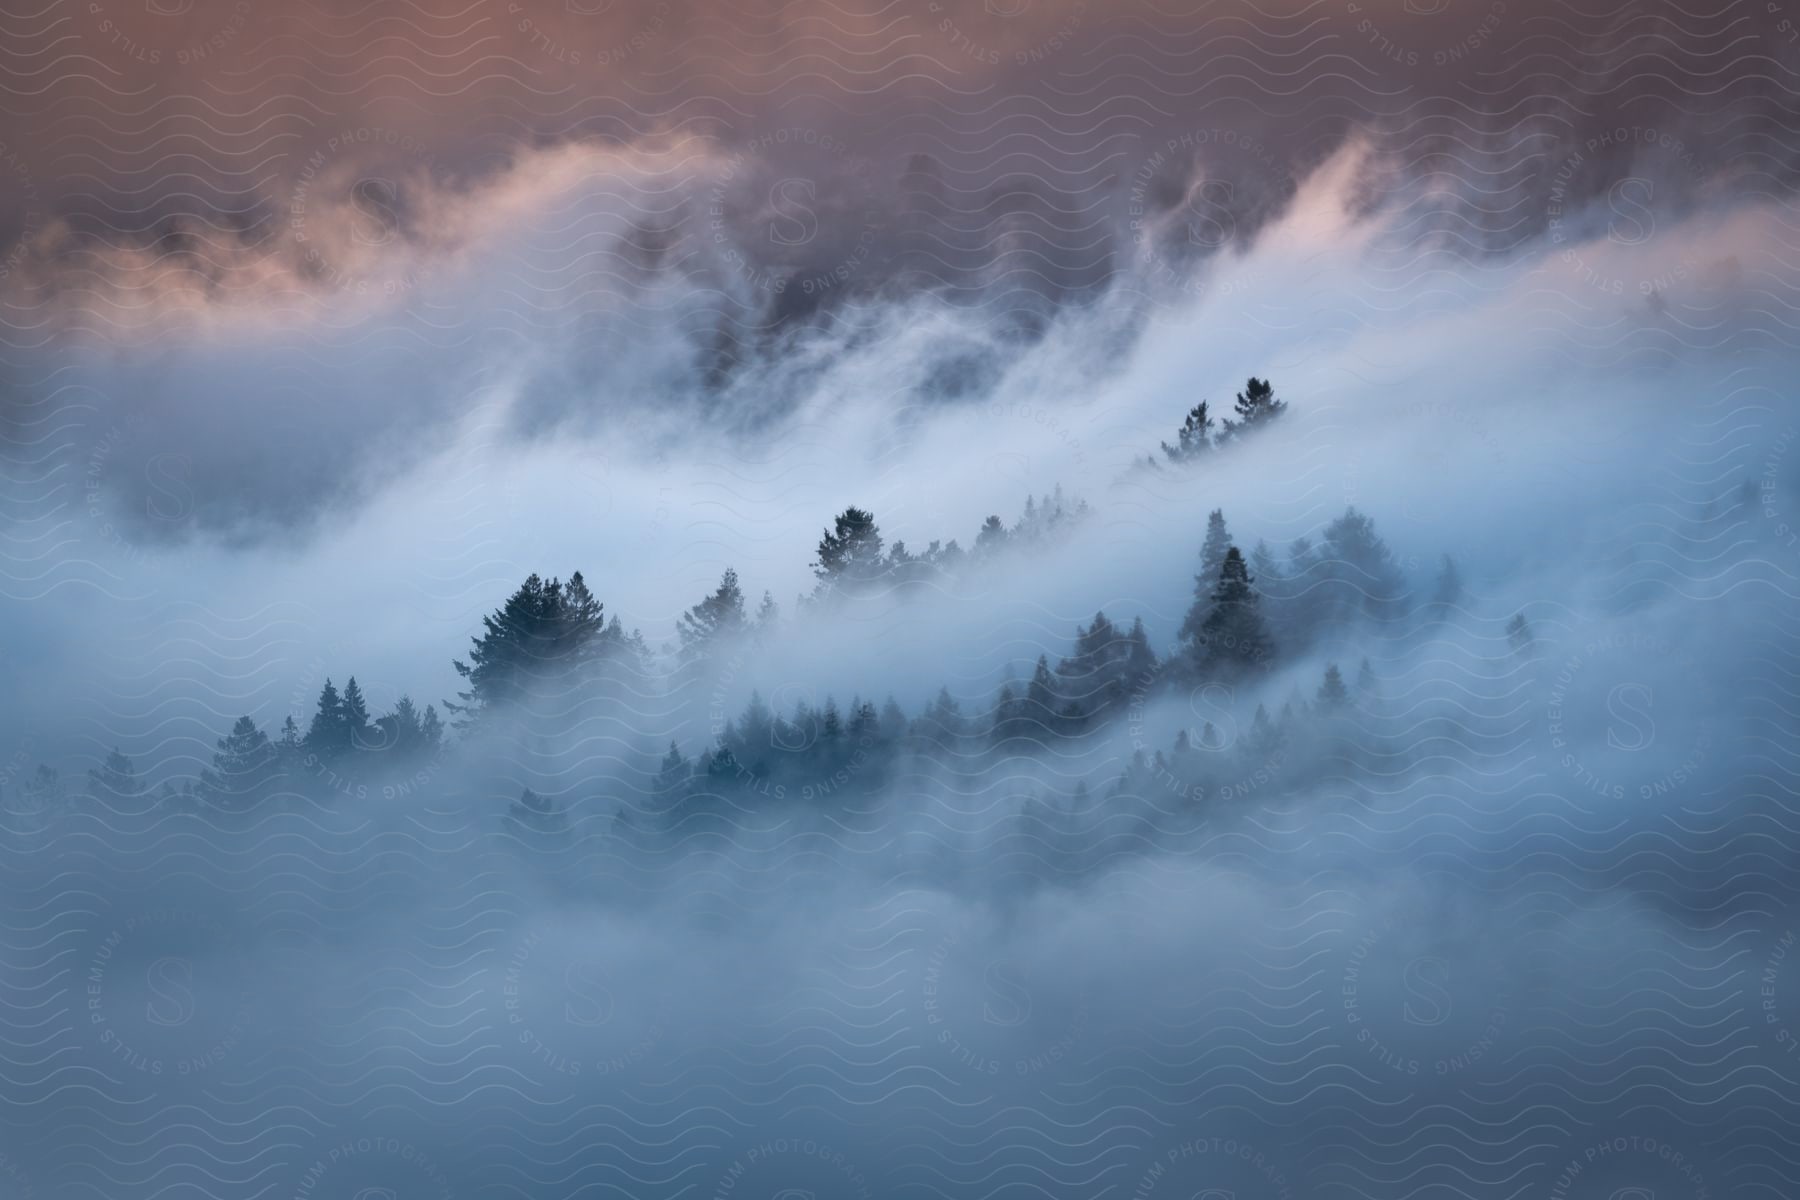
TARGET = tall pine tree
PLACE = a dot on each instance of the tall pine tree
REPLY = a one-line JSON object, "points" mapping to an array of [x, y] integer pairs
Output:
{"points": [[1232, 639], [1212, 560], [1256, 407], [546, 639], [328, 737], [243, 768], [849, 555], [359, 733], [715, 620], [1193, 439]]}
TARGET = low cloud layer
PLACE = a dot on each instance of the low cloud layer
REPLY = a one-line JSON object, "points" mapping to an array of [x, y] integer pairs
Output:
{"points": [[1478, 884]]}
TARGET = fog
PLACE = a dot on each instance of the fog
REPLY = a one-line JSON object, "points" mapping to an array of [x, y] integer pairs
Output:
{"points": [[1513, 915]]}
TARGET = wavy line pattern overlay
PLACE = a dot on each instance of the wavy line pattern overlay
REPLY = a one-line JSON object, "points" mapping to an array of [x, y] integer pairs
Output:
{"points": [[1389, 789]]}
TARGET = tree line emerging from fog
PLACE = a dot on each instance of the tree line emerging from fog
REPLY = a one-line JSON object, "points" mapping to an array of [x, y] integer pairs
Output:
{"points": [[547, 667]]}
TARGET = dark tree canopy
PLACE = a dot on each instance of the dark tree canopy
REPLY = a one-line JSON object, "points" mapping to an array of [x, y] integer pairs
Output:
{"points": [[1256, 406], [849, 554], [719, 617], [991, 538], [358, 733], [1107, 666], [1213, 549], [1333, 695], [243, 767], [1232, 638], [329, 735], [1193, 439], [116, 778], [544, 640], [1212, 560]]}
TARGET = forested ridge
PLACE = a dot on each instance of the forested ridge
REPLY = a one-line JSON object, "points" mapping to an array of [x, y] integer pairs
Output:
{"points": [[549, 663]]}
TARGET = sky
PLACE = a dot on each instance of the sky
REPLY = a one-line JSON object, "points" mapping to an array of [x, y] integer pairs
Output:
{"points": [[322, 326]]}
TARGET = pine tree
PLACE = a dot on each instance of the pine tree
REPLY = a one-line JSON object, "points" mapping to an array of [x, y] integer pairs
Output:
{"points": [[941, 725], [533, 815], [290, 749], [768, 618], [545, 639], [402, 732], [1233, 638], [358, 733], [581, 633], [671, 790], [849, 555], [1359, 569], [1212, 561], [721, 763], [1214, 548], [1040, 715], [720, 617], [328, 736], [1304, 603], [1193, 439], [991, 539], [893, 722], [1108, 664], [1333, 695], [673, 775], [431, 730], [752, 737], [243, 768], [1084, 678], [1005, 720], [1010, 715], [865, 724], [41, 799], [613, 644], [1303, 557], [1256, 407], [116, 779], [1139, 664]]}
